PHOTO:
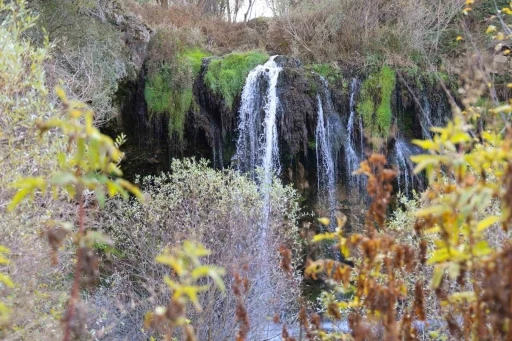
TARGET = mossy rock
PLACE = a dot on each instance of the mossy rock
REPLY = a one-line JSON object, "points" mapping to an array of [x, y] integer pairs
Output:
{"points": [[226, 76], [328, 71], [168, 91], [375, 103]]}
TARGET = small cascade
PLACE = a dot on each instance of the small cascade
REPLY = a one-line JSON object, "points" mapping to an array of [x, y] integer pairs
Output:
{"points": [[325, 162], [257, 144], [406, 177], [332, 136], [426, 117], [352, 158]]}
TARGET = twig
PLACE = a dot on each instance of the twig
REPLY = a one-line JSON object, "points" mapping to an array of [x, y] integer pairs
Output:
{"points": [[76, 281]]}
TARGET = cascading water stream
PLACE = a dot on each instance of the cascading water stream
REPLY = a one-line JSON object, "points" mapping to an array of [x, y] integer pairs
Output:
{"points": [[331, 136], [257, 145], [325, 163], [406, 177], [216, 143], [352, 159], [257, 154], [426, 117]]}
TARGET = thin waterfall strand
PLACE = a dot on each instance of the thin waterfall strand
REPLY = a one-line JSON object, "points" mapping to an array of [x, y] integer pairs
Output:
{"points": [[325, 163]]}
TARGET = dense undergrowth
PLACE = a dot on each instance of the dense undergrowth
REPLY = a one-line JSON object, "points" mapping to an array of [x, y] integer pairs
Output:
{"points": [[436, 270]]}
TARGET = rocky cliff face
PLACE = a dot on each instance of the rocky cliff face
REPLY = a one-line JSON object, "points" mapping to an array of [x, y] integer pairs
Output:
{"points": [[211, 128]]}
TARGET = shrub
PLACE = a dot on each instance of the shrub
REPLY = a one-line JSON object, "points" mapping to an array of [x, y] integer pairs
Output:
{"points": [[89, 54], [222, 210], [350, 30], [35, 301], [328, 71], [226, 76]]}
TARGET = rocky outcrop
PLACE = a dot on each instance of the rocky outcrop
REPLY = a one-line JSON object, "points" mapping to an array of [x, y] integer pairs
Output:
{"points": [[211, 128], [136, 34]]}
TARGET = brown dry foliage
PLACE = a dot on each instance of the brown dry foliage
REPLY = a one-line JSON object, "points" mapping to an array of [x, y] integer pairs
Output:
{"points": [[217, 34], [351, 30]]}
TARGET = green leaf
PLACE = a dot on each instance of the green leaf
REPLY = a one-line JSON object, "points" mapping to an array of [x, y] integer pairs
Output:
{"points": [[193, 249], [323, 236], [100, 194], [171, 261], [487, 222], [482, 248], [439, 256], [18, 197], [454, 270], [437, 277], [131, 188], [425, 144], [6, 280], [324, 221], [63, 178], [432, 210]]}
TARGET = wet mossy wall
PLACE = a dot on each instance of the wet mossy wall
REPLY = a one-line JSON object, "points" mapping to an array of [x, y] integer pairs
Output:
{"points": [[375, 101]]}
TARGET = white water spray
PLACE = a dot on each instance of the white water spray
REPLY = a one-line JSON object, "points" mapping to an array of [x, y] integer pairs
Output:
{"points": [[326, 169]]}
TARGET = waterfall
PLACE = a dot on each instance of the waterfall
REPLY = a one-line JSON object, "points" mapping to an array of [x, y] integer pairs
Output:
{"points": [[352, 158], [216, 143], [257, 144], [331, 137], [426, 117], [325, 162], [406, 177], [257, 154]]}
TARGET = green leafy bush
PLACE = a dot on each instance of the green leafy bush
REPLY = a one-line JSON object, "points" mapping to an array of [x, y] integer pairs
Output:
{"points": [[221, 210], [34, 303], [329, 71], [226, 76]]}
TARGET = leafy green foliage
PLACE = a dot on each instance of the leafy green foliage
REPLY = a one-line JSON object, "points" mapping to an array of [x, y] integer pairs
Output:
{"points": [[185, 263], [375, 103], [218, 209], [328, 71], [95, 158], [171, 75], [195, 57], [226, 76], [165, 96]]}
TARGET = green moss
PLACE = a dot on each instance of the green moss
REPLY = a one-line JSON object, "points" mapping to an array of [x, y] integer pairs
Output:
{"points": [[328, 71], [312, 83], [168, 91], [375, 103], [384, 114], [195, 58], [108, 249], [226, 76]]}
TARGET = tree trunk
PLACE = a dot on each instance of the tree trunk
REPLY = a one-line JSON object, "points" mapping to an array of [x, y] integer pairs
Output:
{"points": [[165, 3]]}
